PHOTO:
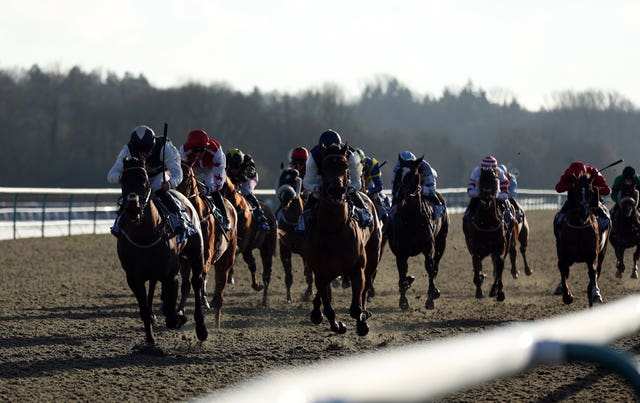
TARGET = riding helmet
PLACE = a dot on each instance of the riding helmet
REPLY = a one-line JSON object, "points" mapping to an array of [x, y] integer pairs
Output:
{"points": [[300, 154], [628, 172], [234, 158], [330, 137], [489, 162], [407, 156], [142, 139], [196, 139]]}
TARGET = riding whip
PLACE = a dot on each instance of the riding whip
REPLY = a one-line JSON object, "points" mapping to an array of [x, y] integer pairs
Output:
{"points": [[610, 165], [164, 152]]}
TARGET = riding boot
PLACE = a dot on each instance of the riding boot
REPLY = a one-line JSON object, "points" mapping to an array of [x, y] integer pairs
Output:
{"points": [[115, 229], [506, 211], [175, 213], [307, 214], [258, 212], [604, 219], [436, 203], [220, 212], [518, 208]]}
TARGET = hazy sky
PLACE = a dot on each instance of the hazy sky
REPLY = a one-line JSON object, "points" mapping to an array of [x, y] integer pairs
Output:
{"points": [[530, 49]]}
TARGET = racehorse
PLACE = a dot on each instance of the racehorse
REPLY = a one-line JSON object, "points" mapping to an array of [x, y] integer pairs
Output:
{"points": [[625, 231], [413, 229], [223, 254], [335, 244], [148, 253], [251, 237], [291, 204], [523, 239], [578, 238], [487, 233]]}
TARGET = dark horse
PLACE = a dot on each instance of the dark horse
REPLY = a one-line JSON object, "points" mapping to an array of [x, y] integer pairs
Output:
{"points": [[222, 254], [413, 229], [578, 238], [148, 253], [291, 204], [335, 244], [251, 237], [625, 231], [487, 233]]}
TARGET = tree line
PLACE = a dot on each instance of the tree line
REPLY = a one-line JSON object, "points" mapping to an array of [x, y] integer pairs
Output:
{"points": [[65, 129]]}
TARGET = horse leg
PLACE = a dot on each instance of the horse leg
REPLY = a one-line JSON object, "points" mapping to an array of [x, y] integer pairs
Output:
{"points": [[327, 309], [496, 288], [308, 274], [185, 286], [169, 299], [523, 239], [593, 291], [478, 275], [619, 251], [267, 261], [404, 282], [357, 310], [512, 257], [152, 290], [140, 292], [432, 271], [285, 258], [197, 283], [563, 267], [251, 263], [636, 256], [222, 269], [316, 315]]}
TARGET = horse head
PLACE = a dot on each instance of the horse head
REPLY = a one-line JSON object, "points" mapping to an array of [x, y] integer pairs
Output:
{"points": [[488, 185], [288, 186], [582, 197], [189, 184], [407, 179], [628, 200], [136, 188], [335, 173]]}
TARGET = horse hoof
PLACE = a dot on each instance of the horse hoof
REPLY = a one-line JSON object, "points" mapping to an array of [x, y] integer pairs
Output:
{"points": [[479, 293], [528, 271], [342, 329], [558, 290], [634, 274], [619, 274], [435, 293], [500, 296], [201, 332], [567, 299], [404, 303], [316, 317], [257, 287], [430, 304], [494, 291], [515, 274], [362, 328], [182, 319], [230, 280], [289, 300]]}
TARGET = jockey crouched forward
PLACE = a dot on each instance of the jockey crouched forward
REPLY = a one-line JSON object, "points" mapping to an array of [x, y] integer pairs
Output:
{"points": [[164, 170], [206, 158], [313, 181], [242, 172], [489, 162], [372, 183], [428, 177], [568, 179]]}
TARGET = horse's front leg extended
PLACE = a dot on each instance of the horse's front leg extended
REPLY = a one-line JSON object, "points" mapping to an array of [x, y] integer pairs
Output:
{"points": [[496, 288], [357, 311], [478, 275], [324, 292], [247, 256], [563, 267]]}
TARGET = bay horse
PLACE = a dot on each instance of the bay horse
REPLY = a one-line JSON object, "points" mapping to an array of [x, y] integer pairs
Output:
{"points": [[625, 232], [413, 229], [335, 244], [291, 204], [222, 255], [578, 238], [251, 237], [148, 253], [487, 233]]}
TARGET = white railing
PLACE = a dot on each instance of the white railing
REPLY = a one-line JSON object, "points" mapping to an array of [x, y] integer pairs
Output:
{"points": [[43, 212], [452, 364]]}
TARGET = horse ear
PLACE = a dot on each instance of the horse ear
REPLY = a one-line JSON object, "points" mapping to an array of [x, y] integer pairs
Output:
{"points": [[281, 165], [421, 159]]}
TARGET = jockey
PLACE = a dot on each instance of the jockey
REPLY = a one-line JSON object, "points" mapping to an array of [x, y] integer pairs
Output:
{"points": [[372, 182], [242, 172], [513, 191], [163, 168], [428, 176], [599, 181], [298, 160], [628, 178], [206, 157], [489, 162], [313, 176]]}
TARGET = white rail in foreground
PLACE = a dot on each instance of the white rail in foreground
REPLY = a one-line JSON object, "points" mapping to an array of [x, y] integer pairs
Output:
{"points": [[437, 368]]}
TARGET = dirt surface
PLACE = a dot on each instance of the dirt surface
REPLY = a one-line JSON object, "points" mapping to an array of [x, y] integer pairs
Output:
{"points": [[70, 329]]}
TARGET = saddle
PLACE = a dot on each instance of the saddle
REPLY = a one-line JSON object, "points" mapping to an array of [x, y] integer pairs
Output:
{"points": [[175, 214]]}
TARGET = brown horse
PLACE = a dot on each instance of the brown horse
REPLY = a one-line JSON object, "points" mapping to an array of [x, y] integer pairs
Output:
{"points": [[625, 232], [251, 237], [291, 204], [487, 233], [414, 229], [148, 253], [222, 255], [523, 240], [578, 238], [335, 244]]}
